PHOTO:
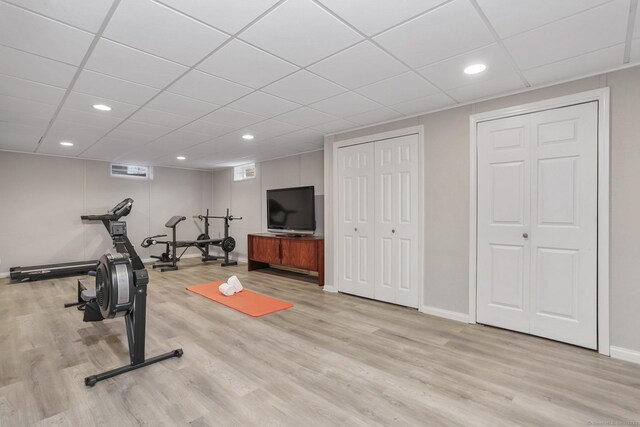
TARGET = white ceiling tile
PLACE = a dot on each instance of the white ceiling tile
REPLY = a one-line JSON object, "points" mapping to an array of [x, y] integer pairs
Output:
{"points": [[206, 87], [130, 64], [110, 148], [588, 63], [571, 36], [301, 137], [156, 29], [231, 117], [404, 87], [449, 73], [33, 33], [424, 105], [300, 31], [229, 16], [304, 88], [145, 130], [201, 150], [82, 137], [359, 65], [182, 105], [487, 88], [335, 126], [373, 16], [306, 117], [447, 31], [263, 104], [510, 17], [87, 15], [210, 129], [27, 66], [346, 104], [160, 118], [85, 102], [375, 116], [244, 64], [268, 129], [25, 112], [172, 142], [101, 85], [87, 118], [18, 137], [12, 86]]}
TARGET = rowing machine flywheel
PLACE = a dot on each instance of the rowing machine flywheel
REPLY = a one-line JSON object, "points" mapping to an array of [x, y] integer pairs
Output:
{"points": [[114, 285], [228, 244]]}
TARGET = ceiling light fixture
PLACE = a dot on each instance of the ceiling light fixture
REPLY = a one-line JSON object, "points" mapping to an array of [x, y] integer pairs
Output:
{"points": [[181, 158], [102, 107], [66, 144], [475, 69], [247, 137]]}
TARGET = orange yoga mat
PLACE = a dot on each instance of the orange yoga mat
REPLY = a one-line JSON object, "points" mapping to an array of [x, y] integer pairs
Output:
{"points": [[247, 302]]}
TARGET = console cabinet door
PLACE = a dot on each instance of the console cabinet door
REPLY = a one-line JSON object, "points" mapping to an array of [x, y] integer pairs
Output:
{"points": [[300, 254], [265, 249]]}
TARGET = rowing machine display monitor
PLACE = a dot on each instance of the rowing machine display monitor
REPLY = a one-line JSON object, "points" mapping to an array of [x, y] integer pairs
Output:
{"points": [[120, 291], [169, 258]]}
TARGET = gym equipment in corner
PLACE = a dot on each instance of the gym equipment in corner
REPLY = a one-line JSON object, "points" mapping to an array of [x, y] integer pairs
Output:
{"points": [[120, 291], [168, 261], [39, 272]]}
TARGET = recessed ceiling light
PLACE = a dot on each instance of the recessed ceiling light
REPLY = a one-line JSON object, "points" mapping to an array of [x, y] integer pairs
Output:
{"points": [[475, 69], [181, 158], [247, 137], [67, 143], [102, 107]]}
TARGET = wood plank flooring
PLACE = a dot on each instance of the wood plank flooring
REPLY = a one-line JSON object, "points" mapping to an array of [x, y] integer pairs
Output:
{"points": [[330, 360]]}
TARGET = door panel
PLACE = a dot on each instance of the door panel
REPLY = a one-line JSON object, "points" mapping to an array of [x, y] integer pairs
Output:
{"points": [[397, 260], [503, 217], [537, 224], [355, 222]]}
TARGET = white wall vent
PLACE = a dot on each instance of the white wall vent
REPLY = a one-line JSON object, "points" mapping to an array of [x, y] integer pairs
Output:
{"points": [[131, 171], [241, 173]]}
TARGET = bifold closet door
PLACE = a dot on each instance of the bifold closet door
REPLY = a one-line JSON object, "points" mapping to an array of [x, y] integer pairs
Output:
{"points": [[537, 224], [397, 260], [356, 219]]}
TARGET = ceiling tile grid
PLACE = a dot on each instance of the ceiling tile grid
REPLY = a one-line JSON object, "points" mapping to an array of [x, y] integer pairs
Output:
{"points": [[190, 78]]}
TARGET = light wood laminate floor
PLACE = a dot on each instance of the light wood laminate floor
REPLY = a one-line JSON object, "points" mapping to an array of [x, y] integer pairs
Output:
{"points": [[333, 359]]}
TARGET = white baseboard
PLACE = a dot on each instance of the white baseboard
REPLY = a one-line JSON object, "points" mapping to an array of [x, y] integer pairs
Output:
{"points": [[328, 288], [625, 354], [4, 275], [447, 314]]}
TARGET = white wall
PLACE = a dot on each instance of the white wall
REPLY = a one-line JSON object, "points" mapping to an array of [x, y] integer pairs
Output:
{"points": [[248, 198], [42, 198], [447, 197]]}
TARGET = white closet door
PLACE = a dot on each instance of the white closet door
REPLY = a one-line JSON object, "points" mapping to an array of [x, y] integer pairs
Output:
{"points": [[537, 224], [564, 224], [504, 195], [356, 219], [397, 260]]}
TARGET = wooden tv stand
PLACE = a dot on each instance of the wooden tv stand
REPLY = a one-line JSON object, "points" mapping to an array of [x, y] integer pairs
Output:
{"points": [[306, 253]]}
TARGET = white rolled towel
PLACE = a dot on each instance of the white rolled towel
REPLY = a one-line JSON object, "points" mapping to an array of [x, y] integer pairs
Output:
{"points": [[226, 289], [233, 281]]}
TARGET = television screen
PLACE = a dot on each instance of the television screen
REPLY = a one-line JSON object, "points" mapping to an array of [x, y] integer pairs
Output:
{"points": [[291, 210]]}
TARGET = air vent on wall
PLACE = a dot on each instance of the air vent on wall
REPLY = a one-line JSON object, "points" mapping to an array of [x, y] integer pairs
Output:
{"points": [[131, 171]]}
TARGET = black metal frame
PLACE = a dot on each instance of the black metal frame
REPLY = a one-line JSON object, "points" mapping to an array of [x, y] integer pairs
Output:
{"points": [[202, 245], [135, 318]]}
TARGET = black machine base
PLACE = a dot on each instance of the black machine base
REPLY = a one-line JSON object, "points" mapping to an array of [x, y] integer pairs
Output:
{"points": [[226, 264], [90, 381]]}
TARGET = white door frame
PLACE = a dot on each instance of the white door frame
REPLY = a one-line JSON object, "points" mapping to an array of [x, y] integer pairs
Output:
{"points": [[421, 220], [602, 96]]}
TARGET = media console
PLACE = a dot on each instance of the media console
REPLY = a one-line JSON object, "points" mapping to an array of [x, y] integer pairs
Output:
{"points": [[306, 253]]}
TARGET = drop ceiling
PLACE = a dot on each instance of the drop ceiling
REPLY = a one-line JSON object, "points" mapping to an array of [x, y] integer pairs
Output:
{"points": [[189, 78]]}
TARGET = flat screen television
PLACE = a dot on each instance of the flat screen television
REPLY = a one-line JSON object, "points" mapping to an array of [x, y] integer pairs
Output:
{"points": [[291, 210]]}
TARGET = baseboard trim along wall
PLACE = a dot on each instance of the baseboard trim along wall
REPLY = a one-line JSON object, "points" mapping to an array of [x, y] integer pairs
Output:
{"points": [[625, 354], [447, 314]]}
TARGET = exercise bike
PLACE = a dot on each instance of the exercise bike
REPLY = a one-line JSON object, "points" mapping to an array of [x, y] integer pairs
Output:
{"points": [[169, 259], [120, 291]]}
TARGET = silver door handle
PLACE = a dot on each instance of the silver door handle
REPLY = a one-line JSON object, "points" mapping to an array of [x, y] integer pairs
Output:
{"points": [[525, 235]]}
